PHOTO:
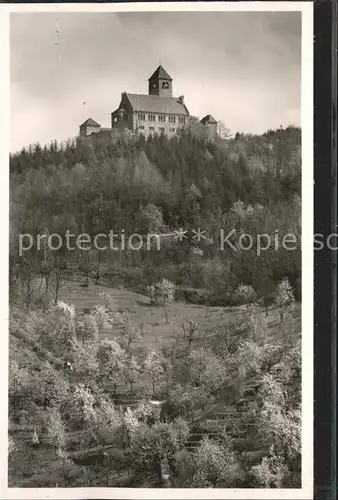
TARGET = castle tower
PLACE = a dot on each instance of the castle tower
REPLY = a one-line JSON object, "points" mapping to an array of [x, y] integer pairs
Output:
{"points": [[160, 83], [89, 127], [210, 125]]}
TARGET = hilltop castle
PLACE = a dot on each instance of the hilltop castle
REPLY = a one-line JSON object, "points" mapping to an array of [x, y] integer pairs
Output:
{"points": [[158, 112]]}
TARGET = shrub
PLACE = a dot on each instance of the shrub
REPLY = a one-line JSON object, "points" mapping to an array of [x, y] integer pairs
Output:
{"points": [[245, 294], [163, 291]]}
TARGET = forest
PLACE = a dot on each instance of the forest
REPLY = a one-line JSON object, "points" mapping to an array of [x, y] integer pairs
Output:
{"points": [[177, 366]]}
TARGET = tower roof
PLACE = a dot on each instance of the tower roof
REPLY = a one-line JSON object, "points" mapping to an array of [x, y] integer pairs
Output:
{"points": [[90, 123], [160, 73], [208, 119]]}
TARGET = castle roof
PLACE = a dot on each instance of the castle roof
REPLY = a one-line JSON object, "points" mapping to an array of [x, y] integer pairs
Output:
{"points": [[208, 119], [90, 123], [160, 73], [157, 104]]}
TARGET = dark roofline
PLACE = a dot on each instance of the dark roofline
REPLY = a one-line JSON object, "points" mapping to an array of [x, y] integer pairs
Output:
{"points": [[208, 119], [186, 109], [90, 122], [161, 73], [155, 112]]}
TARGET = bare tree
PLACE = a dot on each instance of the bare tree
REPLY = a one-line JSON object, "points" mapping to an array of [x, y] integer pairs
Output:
{"points": [[189, 328]]}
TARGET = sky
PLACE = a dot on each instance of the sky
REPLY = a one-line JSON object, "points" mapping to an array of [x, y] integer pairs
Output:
{"points": [[244, 68]]}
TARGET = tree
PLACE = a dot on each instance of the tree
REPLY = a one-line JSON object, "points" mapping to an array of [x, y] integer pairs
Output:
{"points": [[252, 357], [130, 333], [86, 328], [109, 423], [108, 315], [20, 392], [56, 433], [26, 272], [60, 265], [180, 430], [254, 324], [152, 293], [189, 328], [85, 362], [206, 370], [166, 290], [67, 312], [245, 294], [184, 401], [11, 447], [284, 298], [81, 407], [197, 129], [131, 372], [223, 131], [215, 466], [51, 387], [112, 364], [150, 219], [35, 439], [184, 469], [271, 472], [163, 290], [151, 445], [281, 426], [153, 366], [55, 329]]}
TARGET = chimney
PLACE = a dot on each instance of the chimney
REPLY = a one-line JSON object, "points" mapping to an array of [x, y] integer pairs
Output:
{"points": [[181, 99]]}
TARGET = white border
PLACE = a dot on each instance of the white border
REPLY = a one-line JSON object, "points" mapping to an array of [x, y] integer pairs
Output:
{"points": [[304, 493]]}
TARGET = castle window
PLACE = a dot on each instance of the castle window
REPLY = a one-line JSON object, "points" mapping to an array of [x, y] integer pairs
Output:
{"points": [[165, 85], [181, 120], [161, 118], [151, 129], [172, 130], [151, 118], [125, 116], [140, 127], [161, 130], [172, 119], [141, 116]]}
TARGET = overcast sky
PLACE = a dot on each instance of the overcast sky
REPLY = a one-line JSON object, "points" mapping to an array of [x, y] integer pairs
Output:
{"points": [[241, 67]]}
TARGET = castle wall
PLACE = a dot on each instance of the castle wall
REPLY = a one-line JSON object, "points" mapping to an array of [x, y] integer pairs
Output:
{"points": [[87, 130], [147, 127], [123, 123]]}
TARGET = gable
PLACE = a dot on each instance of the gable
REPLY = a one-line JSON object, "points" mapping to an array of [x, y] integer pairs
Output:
{"points": [[126, 104]]}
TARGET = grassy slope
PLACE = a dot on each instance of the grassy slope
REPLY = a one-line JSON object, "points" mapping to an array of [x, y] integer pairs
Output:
{"points": [[151, 319]]}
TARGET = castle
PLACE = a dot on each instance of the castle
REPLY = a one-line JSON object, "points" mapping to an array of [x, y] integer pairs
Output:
{"points": [[158, 112]]}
